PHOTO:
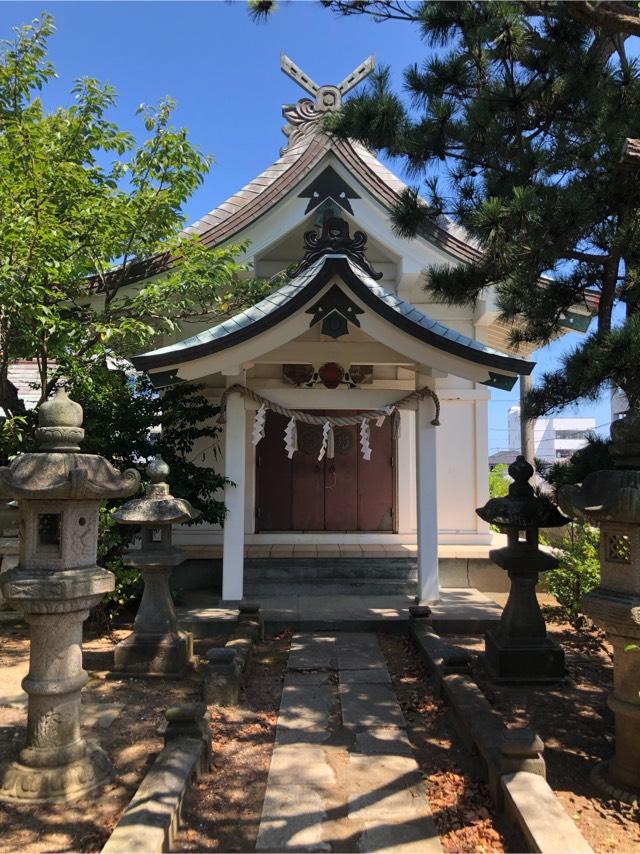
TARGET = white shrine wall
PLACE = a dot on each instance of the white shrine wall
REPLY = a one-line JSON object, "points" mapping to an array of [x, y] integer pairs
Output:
{"points": [[461, 477]]}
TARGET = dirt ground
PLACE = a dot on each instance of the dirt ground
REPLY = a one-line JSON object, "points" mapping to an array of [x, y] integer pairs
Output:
{"points": [[222, 812], [460, 804], [132, 741], [576, 725]]}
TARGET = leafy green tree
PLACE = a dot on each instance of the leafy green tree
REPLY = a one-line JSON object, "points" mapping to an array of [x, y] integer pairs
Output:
{"points": [[524, 107], [85, 212]]}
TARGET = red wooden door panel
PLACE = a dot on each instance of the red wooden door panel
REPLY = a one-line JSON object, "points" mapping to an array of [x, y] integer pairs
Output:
{"points": [[341, 481], [344, 494], [376, 481], [274, 478], [308, 481]]}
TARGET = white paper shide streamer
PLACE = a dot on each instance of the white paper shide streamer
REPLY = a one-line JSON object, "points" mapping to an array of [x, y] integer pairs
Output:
{"points": [[259, 424], [291, 438], [388, 410], [327, 446], [365, 437]]}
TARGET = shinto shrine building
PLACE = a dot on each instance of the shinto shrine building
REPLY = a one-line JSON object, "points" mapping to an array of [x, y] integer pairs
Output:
{"points": [[352, 331]]}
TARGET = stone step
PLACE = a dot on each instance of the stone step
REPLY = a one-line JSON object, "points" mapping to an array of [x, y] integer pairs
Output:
{"points": [[332, 587], [301, 569]]}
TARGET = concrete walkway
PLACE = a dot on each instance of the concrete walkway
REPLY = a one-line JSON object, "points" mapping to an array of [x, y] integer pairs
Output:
{"points": [[343, 776], [460, 610]]}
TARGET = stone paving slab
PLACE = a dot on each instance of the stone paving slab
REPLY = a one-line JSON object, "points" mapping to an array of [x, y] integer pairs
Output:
{"points": [[381, 740], [292, 818], [361, 640], [102, 714], [412, 837], [305, 706], [308, 677], [304, 763], [359, 659], [11, 692], [375, 675], [396, 805], [301, 735], [369, 705], [368, 773], [310, 652]]}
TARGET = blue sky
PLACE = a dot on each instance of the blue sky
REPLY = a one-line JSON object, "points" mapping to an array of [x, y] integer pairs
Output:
{"points": [[224, 72]]}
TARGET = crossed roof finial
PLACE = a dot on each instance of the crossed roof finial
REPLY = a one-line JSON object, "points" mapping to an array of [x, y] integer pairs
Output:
{"points": [[327, 97], [304, 116]]}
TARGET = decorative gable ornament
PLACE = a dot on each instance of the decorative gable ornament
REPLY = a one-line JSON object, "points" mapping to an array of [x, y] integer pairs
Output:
{"points": [[335, 240], [328, 185], [304, 116], [334, 309]]}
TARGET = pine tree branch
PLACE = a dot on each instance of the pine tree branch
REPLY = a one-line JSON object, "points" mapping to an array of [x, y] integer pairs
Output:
{"points": [[618, 17]]}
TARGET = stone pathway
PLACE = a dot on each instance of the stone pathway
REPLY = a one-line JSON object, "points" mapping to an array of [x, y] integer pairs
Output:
{"points": [[343, 776]]}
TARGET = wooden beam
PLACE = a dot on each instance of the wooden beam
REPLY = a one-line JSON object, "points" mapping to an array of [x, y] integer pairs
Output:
{"points": [[319, 352]]}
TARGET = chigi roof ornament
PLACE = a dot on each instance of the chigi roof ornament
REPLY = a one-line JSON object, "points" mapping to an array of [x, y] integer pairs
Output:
{"points": [[303, 116]]}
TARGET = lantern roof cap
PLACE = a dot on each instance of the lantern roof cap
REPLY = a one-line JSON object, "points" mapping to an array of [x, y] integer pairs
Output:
{"points": [[57, 470], [522, 508], [158, 506]]}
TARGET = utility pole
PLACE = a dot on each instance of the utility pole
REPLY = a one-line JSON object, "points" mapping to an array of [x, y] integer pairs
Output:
{"points": [[526, 424]]}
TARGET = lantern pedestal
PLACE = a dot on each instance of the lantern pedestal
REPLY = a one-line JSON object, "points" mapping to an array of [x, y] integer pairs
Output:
{"points": [[56, 764], [618, 614], [156, 647], [519, 648]]}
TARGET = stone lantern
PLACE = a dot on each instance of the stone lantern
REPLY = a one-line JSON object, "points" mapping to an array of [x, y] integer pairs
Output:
{"points": [[156, 647], [519, 650], [611, 499], [54, 586]]}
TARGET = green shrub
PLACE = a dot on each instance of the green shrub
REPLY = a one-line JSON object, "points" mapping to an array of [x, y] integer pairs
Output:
{"points": [[499, 481], [579, 569]]}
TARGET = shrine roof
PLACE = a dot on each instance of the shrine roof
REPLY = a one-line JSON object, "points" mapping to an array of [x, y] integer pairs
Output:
{"points": [[296, 295], [259, 196]]}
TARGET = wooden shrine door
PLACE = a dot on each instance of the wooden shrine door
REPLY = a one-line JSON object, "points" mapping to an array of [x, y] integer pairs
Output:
{"points": [[343, 494]]}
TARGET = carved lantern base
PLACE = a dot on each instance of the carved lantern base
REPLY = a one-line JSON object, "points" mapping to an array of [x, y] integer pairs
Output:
{"points": [[154, 655], [156, 647], [619, 614], [61, 784], [57, 763], [525, 661], [519, 649]]}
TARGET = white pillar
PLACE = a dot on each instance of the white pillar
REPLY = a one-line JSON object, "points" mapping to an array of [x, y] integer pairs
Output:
{"points": [[427, 501], [234, 469], [482, 468]]}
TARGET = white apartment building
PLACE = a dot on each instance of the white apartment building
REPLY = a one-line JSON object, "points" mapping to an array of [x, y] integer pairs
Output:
{"points": [[619, 403], [555, 438]]}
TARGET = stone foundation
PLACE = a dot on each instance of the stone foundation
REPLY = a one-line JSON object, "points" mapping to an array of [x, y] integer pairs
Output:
{"points": [[149, 655], [508, 661]]}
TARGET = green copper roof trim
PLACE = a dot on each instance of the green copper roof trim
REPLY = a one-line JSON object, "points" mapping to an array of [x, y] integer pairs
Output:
{"points": [[297, 294]]}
